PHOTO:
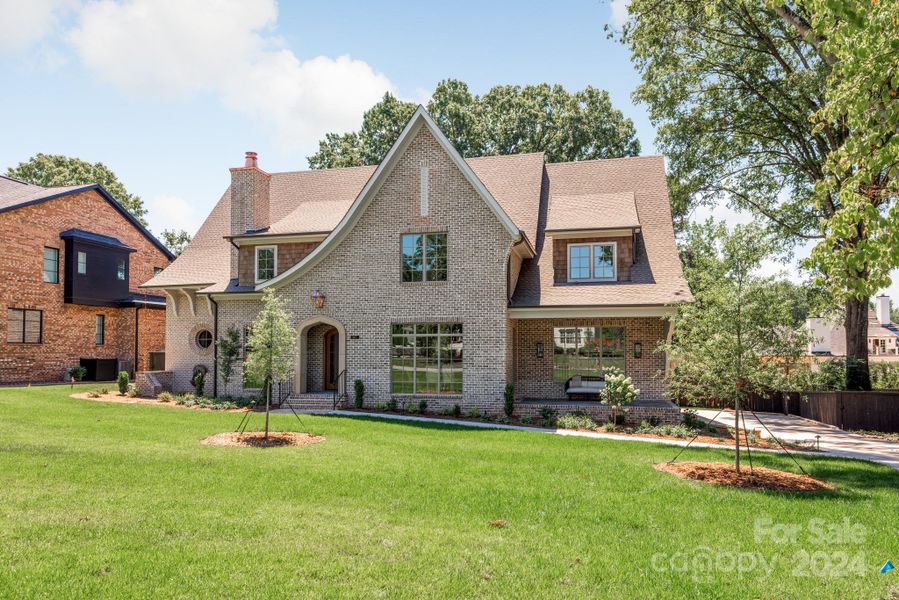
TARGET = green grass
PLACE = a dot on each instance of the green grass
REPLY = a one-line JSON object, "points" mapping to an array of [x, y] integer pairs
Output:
{"points": [[112, 500]]}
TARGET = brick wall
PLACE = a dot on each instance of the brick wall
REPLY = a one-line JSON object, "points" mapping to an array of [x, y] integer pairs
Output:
{"points": [[288, 256], [69, 330], [625, 251], [534, 376]]}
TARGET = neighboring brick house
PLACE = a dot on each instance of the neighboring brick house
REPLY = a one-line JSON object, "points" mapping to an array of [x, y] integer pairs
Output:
{"points": [[430, 276], [71, 262]]}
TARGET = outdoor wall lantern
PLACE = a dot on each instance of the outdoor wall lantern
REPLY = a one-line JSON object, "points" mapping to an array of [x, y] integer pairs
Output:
{"points": [[317, 298], [539, 349], [638, 350]]}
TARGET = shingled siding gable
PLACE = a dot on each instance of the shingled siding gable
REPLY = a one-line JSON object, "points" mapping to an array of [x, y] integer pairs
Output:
{"points": [[624, 249], [361, 278], [288, 255]]}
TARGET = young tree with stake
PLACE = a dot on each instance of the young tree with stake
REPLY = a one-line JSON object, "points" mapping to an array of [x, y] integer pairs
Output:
{"points": [[272, 339]]}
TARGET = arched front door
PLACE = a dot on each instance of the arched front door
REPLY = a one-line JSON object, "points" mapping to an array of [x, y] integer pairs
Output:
{"points": [[331, 355]]}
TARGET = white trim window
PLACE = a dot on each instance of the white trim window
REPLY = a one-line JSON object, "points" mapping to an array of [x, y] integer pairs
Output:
{"points": [[266, 262], [593, 262]]}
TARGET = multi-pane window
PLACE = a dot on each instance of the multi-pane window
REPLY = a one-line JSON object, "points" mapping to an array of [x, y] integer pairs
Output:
{"points": [[120, 269], [424, 257], [82, 263], [587, 351], [51, 265], [100, 333], [426, 359], [24, 326], [265, 262], [591, 262]]}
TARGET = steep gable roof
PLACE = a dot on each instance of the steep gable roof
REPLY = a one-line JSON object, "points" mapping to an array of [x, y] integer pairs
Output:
{"points": [[16, 194]]}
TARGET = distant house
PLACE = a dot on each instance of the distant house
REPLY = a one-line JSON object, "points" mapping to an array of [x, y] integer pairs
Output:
{"points": [[829, 339], [71, 262]]}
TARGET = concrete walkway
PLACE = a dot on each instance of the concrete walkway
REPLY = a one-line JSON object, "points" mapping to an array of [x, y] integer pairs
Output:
{"points": [[832, 440]]}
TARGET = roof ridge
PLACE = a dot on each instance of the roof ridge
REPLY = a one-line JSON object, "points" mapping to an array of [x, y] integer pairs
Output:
{"points": [[330, 170], [599, 160]]}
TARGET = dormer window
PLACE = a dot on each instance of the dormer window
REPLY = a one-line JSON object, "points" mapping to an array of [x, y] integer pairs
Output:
{"points": [[592, 262], [266, 258]]}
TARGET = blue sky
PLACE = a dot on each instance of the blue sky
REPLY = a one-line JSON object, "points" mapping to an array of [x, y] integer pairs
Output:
{"points": [[170, 93]]}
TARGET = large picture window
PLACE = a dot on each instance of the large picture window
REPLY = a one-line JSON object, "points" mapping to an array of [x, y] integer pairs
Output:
{"points": [[426, 359], [424, 257], [592, 262], [586, 351], [24, 326]]}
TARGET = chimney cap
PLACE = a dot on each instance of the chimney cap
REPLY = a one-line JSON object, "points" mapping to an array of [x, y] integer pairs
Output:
{"points": [[250, 161]]}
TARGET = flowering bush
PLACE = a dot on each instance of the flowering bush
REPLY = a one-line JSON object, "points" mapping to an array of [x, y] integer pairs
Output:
{"points": [[619, 391]]}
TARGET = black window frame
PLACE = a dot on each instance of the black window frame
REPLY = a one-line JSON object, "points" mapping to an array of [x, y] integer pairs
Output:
{"points": [[25, 311], [44, 270], [197, 339], [100, 329]]}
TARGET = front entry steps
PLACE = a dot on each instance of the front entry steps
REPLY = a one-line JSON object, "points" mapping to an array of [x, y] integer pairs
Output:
{"points": [[310, 401]]}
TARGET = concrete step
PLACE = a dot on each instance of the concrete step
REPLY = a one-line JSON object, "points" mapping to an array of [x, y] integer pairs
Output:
{"points": [[313, 401]]}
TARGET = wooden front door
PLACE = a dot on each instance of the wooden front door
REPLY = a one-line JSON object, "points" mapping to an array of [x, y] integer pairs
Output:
{"points": [[331, 360]]}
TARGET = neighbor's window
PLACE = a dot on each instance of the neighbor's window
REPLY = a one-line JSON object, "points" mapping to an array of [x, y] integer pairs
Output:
{"points": [[24, 326], [265, 262], [157, 271], [120, 269], [586, 351], [424, 257], [100, 334], [591, 262], [51, 265], [82, 263], [426, 359]]}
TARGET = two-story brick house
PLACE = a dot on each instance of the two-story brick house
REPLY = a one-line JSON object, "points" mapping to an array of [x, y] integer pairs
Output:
{"points": [[71, 261], [431, 276]]}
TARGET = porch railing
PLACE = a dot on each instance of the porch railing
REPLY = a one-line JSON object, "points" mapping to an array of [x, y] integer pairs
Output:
{"points": [[340, 393]]}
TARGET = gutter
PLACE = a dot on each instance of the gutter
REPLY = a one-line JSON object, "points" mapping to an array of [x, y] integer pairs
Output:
{"points": [[136, 337]]}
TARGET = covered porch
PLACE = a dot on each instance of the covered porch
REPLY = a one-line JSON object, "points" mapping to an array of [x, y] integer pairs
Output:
{"points": [[548, 351]]}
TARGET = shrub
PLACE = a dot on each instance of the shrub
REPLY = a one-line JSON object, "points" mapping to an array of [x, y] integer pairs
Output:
{"points": [[457, 410], [422, 405], [577, 420], [619, 391], [548, 416], [392, 404], [131, 392], [78, 372], [411, 409], [502, 419], [884, 375], [509, 400], [446, 411], [199, 382], [474, 413], [165, 397], [93, 395], [692, 419], [359, 391], [526, 420], [380, 406], [104, 390], [122, 381], [608, 426]]}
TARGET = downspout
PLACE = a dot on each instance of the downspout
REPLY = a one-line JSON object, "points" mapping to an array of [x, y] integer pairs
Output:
{"points": [[136, 337], [215, 347]]}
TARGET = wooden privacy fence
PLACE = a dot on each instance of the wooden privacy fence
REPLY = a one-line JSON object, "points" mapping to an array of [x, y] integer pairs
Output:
{"points": [[874, 411]]}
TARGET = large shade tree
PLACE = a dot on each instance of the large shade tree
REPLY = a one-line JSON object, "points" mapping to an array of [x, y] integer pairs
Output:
{"points": [[508, 119], [55, 170], [743, 95]]}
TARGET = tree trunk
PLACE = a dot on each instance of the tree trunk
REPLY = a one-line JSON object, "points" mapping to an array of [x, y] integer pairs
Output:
{"points": [[268, 398], [856, 323], [737, 432]]}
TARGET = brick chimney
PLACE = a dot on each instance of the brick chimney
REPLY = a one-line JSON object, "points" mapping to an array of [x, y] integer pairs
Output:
{"points": [[882, 308], [249, 201]]}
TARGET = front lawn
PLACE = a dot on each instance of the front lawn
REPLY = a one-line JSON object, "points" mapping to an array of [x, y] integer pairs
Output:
{"points": [[115, 500]]}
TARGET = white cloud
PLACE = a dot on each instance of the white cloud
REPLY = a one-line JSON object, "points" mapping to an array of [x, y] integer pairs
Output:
{"points": [[23, 24], [619, 14], [173, 212], [173, 48]]}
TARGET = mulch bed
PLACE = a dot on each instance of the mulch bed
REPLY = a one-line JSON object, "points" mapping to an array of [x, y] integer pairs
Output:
{"points": [[760, 478], [257, 439], [117, 398]]}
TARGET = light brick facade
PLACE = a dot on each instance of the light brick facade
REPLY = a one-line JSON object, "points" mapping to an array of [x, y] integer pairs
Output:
{"points": [[69, 329]]}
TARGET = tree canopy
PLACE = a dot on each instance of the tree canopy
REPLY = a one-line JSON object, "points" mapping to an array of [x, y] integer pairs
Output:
{"points": [[508, 119], [175, 240], [56, 170], [780, 108]]}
